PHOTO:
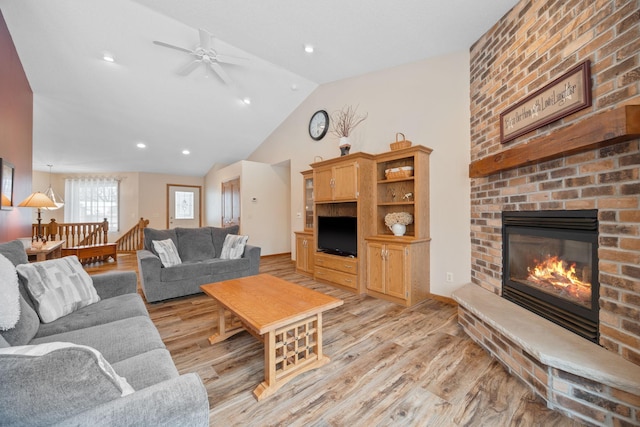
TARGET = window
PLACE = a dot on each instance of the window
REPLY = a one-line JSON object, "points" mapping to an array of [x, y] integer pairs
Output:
{"points": [[184, 205], [92, 200]]}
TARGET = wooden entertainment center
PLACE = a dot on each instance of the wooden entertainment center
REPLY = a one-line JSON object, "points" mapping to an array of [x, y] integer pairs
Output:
{"points": [[391, 267]]}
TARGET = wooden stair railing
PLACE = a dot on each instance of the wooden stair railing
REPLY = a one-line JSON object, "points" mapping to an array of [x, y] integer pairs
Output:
{"points": [[133, 240], [76, 233]]}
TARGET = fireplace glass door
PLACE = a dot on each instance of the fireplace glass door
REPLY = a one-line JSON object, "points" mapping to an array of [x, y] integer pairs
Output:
{"points": [[551, 266], [558, 267]]}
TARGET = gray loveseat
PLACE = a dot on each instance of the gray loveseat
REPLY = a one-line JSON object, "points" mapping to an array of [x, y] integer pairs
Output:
{"points": [[199, 250], [65, 387]]}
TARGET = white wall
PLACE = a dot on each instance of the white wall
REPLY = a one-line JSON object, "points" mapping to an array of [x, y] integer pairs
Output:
{"points": [[142, 195], [429, 102], [264, 202]]}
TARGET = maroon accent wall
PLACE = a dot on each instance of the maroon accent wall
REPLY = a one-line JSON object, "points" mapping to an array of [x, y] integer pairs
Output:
{"points": [[16, 131]]}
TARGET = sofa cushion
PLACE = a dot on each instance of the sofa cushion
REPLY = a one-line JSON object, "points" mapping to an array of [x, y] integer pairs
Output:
{"points": [[54, 382], [167, 252], [195, 244], [58, 286], [219, 234], [14, 250], [116, 341], [151, 234], [233, 246], [106, 311], [26, 328], [10, 291], [147, 369], [185, 271], [226, 266]]}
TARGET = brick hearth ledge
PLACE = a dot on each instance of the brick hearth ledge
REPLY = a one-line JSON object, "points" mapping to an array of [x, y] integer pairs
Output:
{"points": [[571, 373]]}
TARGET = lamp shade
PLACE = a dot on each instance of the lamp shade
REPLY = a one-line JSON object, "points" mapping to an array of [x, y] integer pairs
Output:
{"points": [[37, 200]]}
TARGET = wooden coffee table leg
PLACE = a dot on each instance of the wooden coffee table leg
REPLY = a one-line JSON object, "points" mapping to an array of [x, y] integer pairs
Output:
{"points": [[224, 331], [290, 351]]}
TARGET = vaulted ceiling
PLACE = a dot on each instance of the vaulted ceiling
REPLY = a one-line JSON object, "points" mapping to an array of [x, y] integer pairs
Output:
{"points": [[90, 114]]}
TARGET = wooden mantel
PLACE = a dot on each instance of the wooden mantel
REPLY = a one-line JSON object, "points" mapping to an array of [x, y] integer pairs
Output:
{"points": [[600, 130]]}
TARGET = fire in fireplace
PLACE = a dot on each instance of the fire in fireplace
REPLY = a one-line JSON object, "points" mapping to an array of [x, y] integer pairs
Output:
{"points": [[550, 266]]}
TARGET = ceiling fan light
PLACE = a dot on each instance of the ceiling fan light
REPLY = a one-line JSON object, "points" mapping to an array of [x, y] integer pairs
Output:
{"points": [[141, 145], [308, 48], [186, 152], [108, 57], [246, 100]]}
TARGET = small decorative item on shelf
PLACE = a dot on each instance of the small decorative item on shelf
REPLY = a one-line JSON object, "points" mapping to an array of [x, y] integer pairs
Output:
{"points": [[342, 124], [400, 143], [399, 173], [397, 222]]}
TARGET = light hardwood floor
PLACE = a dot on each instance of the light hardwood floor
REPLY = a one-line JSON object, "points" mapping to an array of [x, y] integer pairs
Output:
{"points": [[390, 366]]}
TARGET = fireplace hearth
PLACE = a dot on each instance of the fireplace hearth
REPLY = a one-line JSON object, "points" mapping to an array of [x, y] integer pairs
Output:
{"points": [[550, 266]]}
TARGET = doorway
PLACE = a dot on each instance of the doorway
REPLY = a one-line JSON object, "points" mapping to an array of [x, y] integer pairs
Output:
{"points": [[231, 203], [183, 206]]}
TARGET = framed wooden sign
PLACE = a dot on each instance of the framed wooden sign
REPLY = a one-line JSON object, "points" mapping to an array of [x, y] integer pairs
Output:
{"points": [[565, 95]]}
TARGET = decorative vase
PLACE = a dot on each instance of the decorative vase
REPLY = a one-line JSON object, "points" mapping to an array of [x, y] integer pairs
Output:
{"points": [[345, 145], [399, 229]]}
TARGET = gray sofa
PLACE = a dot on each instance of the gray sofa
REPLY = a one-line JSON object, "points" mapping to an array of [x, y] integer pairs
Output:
{"points": [[199, 249], [65, 387]]}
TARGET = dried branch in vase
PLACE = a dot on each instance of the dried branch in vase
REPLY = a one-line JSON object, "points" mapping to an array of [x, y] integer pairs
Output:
{"points": [[344, 121]]}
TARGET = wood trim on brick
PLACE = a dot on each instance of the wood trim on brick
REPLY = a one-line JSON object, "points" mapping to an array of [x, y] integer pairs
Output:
{"points": [[608, 128]]}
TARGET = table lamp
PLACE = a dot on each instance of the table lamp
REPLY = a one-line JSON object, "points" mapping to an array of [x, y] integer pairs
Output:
{"points": [[38, 200]]}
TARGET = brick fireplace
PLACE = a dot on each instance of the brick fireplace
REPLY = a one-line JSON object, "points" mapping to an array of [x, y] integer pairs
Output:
{"points": [[530, 46]]}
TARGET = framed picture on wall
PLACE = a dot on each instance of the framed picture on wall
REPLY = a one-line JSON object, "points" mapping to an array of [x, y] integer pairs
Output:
{"points": [[6, 185]]}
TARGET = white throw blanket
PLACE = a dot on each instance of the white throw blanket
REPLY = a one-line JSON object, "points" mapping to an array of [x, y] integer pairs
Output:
{"points": [[10, 301]]}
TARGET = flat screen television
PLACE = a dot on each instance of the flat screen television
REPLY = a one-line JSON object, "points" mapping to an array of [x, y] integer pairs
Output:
{"points": [[338, 235]]}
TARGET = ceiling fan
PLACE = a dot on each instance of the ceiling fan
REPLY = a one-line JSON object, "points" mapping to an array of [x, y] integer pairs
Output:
{"points": [[204, 53]]}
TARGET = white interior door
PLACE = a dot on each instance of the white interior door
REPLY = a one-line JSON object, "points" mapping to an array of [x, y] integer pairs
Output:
{"points": [[183, 208]]}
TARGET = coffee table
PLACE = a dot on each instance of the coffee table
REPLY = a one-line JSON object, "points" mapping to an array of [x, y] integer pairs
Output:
{"points": [[286, 317]]}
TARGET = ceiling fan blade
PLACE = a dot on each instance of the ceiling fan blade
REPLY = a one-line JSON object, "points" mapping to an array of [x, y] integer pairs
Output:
{"points": [[228, 59], [187, 69], [172, 46], [205, 39], [221, 73]]}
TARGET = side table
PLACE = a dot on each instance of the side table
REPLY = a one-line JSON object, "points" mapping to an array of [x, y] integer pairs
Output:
{"points": [[49, 250]]}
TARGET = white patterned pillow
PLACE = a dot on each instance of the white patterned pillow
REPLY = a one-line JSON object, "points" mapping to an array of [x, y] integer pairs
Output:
{"points": [[233, 246], [58, 286], [10, 308], [167, 252]]}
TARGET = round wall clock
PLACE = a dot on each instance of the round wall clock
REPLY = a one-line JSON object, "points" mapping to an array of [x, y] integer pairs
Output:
{"points": [[319, 125]]}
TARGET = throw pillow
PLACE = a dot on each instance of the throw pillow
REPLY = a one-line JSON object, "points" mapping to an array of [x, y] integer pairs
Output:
{"points": [[58, 286], [10, 309], [233, 246], [44, 384], [167, 252], [151, 234], [14, 250]]}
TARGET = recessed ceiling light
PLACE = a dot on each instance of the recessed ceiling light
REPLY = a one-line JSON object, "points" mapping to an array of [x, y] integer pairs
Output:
{"points": [[308, 48], [107, 56], [246, 100], [141, 145], [294, 86], [185, 152]]}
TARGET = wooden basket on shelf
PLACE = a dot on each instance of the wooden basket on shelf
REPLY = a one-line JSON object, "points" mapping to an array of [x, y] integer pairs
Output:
{"points": [[399, 173], [400, 144]]}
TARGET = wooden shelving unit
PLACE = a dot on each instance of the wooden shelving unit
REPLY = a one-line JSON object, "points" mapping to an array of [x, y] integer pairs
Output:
{"points": [[398, 266], [344, 187], [387, 266]]}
